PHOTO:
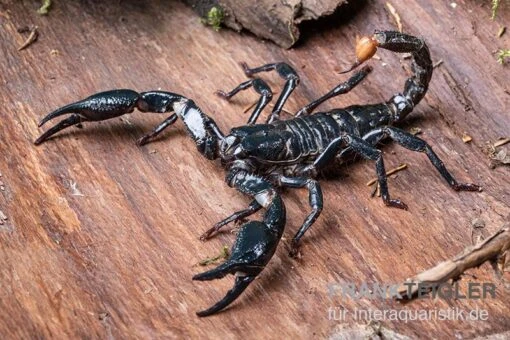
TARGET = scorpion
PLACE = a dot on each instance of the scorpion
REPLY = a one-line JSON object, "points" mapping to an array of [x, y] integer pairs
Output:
{"points": [[260, 159]]}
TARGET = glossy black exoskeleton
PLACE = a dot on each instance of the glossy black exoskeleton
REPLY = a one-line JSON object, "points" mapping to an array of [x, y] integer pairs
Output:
{"points": [[260, 158]]}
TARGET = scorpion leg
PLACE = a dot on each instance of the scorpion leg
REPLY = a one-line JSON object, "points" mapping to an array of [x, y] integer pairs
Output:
{"points": [[414, 143], [260, 87], [256, 241], [314, 198], [291, 81], [237, 216], [157, 130], [341, 88], [367, 151]]}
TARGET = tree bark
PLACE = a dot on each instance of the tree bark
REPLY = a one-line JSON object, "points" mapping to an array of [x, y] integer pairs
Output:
{"points": [[269, 19]]}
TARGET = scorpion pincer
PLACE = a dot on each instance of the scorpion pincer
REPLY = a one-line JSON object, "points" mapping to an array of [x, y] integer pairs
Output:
{"points": [[259, 159]]}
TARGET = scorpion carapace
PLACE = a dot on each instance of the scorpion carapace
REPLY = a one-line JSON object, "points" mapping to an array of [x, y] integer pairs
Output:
{"points": [[261, 158]]}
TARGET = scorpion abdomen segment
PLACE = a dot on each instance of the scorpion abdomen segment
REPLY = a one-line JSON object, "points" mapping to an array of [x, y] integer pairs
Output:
{"points": [[363, 118], [308, 136], [345, 119]]}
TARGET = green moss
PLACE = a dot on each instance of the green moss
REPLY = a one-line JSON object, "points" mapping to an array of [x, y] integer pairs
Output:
{"points": [[214, 18], [495, 5], [211, 260], [43, 10], [502, 54]]}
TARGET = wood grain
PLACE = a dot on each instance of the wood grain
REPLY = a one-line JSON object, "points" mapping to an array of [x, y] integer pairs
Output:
{"points": [[101, 236]]}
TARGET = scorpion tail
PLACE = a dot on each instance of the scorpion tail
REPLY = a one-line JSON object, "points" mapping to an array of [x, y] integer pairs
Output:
{"points": [[417, 85], [421, 64]]}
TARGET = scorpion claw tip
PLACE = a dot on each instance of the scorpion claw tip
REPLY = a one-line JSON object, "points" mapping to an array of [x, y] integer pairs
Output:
{"points": [[203, 313], [45, 119], [241, 283], [42, 138]]}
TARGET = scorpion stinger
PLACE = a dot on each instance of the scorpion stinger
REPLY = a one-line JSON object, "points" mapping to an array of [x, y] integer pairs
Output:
{"points": [[365, 49]]}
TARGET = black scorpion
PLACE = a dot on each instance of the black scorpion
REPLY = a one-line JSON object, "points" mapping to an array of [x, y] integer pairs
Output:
{"points": [[261, 158]]}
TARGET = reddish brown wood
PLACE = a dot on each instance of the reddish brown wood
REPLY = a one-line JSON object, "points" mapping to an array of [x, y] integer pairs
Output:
{"points": [[101, 236]]}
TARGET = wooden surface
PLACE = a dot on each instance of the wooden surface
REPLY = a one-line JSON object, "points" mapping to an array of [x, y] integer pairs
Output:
{"points": [[101, 236]]}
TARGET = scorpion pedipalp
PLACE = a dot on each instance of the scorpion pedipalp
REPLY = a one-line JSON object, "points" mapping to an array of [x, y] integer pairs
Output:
{"points": [[107, 105], [115, 103], [256, 241], [252, 250], [100, 106], [235, 217]]}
